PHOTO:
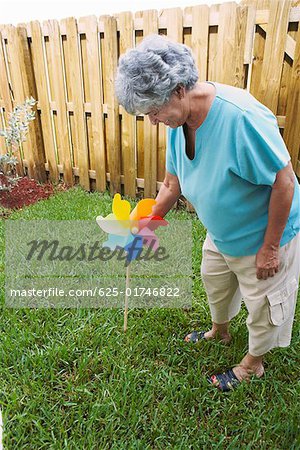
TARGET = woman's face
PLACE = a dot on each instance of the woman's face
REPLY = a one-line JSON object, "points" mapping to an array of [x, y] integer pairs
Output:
{"points": [[173, 113]]}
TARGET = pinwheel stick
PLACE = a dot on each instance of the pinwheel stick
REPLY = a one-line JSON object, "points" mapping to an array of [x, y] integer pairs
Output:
{"points": [[126, 297]]}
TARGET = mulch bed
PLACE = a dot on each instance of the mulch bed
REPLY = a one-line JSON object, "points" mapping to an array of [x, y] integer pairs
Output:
{"points": [[25, 192]]}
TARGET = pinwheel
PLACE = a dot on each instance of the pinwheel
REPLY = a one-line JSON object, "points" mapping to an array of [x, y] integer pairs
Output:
{"points": [[131, 231]]}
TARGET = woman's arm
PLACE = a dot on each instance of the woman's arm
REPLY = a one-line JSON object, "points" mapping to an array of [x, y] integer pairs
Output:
{"points": [[280, 205], [267, 261], [168, 194]]}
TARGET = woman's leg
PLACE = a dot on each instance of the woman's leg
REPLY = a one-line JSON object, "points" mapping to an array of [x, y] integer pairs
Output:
{"points": [[270, 304], [222, 290]]}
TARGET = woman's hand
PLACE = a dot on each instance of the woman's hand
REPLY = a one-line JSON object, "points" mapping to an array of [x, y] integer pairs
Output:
{"points": [[167, 196], [267, 261]]}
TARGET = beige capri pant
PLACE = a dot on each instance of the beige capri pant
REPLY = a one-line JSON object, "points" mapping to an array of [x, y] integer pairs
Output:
{"points": [[270, 303]]}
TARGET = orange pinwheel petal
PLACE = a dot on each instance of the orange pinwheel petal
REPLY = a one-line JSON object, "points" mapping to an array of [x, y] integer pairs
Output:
{"points": [[143, 208]]}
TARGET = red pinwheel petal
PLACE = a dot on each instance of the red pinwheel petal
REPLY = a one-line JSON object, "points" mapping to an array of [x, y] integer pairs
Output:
{"points": [[154, 218], [152, 222]]}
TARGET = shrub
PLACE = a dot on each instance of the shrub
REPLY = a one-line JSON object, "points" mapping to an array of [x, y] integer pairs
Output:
{"points": [[14, 135]]}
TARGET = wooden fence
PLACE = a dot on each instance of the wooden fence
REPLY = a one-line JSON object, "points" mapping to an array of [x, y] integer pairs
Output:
{"points": [[83, 135]]}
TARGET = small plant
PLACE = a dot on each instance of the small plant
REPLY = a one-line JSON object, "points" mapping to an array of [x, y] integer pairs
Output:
{"points": [[14, 135]]}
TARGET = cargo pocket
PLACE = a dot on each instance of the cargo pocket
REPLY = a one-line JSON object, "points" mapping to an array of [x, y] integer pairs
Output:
{"points": [[281, 302]]}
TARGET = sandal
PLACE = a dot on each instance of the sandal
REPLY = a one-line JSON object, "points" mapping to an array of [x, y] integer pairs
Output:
{"points": [[226, 381], [195, 336]]}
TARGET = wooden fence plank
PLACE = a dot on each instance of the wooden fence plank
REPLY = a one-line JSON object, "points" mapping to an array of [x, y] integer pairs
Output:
{"points": [[286, 74], [173, 18], [86, 93], [249, 44], [12, 50], [226, 43], [257, 63], [213, 58], [35, 136], [79, 135], [97, 148], [57, 76], [238, 68], [150, 131], [200, 34], [250, 34], [66, 57], [113, 120], [268, 91], [125, 21], [292, 124], [43, 98]]}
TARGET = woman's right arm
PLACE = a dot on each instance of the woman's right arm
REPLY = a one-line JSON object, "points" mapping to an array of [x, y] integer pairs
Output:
{"points": [[168, 194]]}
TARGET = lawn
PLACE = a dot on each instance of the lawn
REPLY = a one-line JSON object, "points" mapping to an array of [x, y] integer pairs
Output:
{"points": [[71, 378]]}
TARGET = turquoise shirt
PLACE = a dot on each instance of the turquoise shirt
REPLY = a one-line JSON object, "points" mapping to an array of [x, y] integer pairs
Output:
{"points": [[238, 152]]}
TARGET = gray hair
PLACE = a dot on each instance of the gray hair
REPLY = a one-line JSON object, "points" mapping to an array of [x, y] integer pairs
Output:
{"points": [[148, 74]]}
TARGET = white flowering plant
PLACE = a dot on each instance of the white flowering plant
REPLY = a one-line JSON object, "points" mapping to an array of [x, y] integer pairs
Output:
{"points": [[14, 134]]}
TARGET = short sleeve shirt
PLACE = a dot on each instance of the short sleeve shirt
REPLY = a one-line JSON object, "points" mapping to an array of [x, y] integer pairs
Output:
{"points": [[238, 152]]}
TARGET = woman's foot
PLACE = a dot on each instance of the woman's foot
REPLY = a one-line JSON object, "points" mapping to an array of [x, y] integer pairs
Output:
{"points": [[214, 333], [250, 365]]}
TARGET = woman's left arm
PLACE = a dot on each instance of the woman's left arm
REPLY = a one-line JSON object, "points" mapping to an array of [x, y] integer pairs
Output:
{"points": [[267, 258]]}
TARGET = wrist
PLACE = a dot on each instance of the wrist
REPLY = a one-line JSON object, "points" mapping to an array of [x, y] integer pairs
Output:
{"points": [[274, 245]]}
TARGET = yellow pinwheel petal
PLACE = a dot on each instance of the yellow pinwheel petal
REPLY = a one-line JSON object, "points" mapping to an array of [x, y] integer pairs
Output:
{"points": [[111, 225], [143, 208], [121, 208]]}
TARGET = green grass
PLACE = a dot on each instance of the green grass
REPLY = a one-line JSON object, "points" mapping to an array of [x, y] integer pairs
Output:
{"points": [[71, 379]]}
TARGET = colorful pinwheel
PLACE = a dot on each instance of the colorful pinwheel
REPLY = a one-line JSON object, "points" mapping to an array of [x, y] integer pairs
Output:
{"points": [[131, 231]]}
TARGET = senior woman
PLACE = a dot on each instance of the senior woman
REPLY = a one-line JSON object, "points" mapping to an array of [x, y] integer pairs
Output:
{"points": [[225, 154]]}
